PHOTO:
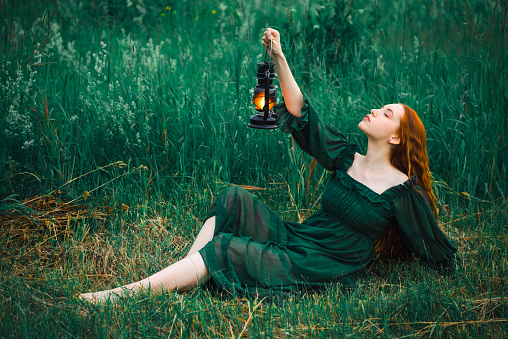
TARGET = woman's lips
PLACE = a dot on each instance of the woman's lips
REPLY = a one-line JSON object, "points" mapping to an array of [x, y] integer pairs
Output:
{"points": [[366, 118]]}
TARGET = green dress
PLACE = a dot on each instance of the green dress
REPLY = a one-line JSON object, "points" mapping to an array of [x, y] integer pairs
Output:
{"points": [[253, 249]]}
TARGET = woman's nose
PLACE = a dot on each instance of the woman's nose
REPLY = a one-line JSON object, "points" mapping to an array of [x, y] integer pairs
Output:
{"points": [[372, 112]]}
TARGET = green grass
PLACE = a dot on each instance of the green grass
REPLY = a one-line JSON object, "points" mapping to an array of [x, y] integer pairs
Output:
{"points": [[167, 93]]}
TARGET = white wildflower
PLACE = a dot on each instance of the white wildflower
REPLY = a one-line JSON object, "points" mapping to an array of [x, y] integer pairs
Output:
{"points": [[27, 144], [416, 45], [380, 65]]}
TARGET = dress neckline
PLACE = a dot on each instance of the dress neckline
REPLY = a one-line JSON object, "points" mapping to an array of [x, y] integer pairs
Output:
{"points": [[405, 183], [386, 198]]}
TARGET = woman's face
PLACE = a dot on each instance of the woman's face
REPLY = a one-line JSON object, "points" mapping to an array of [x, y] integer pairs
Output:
{"points": [[382, 124]]}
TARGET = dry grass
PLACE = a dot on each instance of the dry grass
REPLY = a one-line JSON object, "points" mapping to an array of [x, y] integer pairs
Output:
{"points": [[31, 231], [99, 259]]}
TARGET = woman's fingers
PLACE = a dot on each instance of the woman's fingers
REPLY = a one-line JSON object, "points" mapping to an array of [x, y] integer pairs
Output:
{"points": [[271, 40], [272, 32]]}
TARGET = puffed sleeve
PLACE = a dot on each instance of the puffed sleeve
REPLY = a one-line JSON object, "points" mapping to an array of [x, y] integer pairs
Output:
{"points": [[420, 231], [329, 147]]}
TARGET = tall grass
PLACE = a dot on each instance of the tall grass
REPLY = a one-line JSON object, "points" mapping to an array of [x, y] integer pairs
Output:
{"points": [[166, 89]]}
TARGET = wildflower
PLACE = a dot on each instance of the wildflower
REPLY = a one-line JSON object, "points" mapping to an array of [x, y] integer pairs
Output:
{"points": [[214, 11], [168, 8], [142, 13], [416, 46], [27, 144], [380, 63], [56, 40]]}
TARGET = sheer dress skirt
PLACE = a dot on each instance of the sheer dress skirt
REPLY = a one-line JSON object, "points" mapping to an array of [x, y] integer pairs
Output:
{"points": [[253, 250], [248, 250]]}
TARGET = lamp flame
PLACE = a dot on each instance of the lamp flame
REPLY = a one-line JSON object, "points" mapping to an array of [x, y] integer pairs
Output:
{"points": [[259, 101]]}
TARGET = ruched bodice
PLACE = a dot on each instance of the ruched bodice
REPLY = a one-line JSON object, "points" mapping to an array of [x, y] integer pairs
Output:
{"points": [[364, 213], [253, 249]]}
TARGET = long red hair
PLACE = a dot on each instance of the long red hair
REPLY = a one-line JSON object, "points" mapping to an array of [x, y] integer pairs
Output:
{"points": [[409, 157]]}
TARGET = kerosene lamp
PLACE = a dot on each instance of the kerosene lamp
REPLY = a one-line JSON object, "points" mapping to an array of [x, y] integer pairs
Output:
{"points": [[264, 89]]}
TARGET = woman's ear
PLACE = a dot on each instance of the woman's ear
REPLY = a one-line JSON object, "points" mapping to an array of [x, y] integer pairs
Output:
{"points": [[394, 140]]}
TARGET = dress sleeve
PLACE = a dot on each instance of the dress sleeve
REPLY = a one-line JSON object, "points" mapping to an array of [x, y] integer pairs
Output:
{"points": [[329, 147], [420, 231]]}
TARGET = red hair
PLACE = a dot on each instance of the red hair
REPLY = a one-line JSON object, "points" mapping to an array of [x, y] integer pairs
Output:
{"points": [[409, 157]]}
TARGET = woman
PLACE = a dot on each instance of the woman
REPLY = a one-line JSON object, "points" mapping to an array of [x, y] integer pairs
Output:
{"points": [[381, 201]]}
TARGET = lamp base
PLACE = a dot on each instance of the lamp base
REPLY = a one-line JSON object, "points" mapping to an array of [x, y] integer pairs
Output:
{"points": [[258, 121]]}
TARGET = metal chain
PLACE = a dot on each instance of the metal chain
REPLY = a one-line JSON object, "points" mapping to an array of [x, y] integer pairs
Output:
{"points": [[271, 43]]}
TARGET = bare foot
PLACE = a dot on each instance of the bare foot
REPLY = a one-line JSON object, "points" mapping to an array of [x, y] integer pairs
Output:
{"points": [[103, 296]]}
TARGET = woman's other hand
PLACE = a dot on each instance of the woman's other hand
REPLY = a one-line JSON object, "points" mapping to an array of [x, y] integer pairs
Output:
{"points": [[272, 38]]}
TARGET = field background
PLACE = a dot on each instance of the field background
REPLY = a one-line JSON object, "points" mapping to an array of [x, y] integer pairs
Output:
{"points": [[121, 120]]}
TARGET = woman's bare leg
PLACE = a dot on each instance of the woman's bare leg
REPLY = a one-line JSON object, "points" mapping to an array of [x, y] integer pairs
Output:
{"points": [[183, 275], [204, 236]]}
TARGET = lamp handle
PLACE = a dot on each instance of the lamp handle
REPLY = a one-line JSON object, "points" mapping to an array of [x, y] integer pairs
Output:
{"points": [[271, 43]]}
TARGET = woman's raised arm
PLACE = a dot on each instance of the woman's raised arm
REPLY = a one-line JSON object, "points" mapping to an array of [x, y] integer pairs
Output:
{"points": [[292, 95], [296, 116]]}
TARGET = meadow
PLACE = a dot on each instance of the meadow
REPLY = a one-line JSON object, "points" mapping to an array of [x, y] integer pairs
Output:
{"points": [[121, 120]]}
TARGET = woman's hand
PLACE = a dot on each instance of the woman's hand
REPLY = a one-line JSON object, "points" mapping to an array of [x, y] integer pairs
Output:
{"points": [[293, 97], [272, 39]]}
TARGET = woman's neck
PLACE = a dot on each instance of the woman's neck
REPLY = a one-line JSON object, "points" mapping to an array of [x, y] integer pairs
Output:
{"points": [[378, 155]]}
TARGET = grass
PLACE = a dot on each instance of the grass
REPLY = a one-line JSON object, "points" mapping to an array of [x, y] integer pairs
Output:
{"points": [[117, 136]]}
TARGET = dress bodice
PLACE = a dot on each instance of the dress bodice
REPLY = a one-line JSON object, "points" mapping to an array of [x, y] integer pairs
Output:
{"points": [[343, 198]]}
